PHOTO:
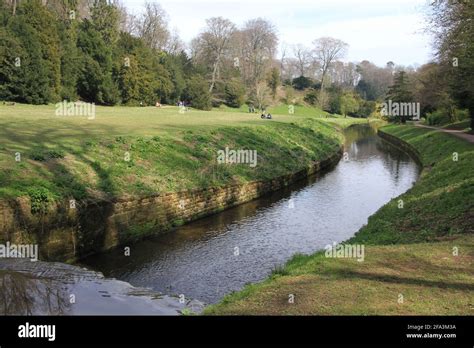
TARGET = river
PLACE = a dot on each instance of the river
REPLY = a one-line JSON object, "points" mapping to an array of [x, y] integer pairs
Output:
{"points": [[214, 256]]}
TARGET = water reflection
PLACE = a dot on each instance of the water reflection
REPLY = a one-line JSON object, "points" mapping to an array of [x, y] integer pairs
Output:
{"points": [[23, 294], [47, 288]]}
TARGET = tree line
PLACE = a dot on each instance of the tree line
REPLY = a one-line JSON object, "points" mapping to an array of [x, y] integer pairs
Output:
{"points": [[93, 50]]}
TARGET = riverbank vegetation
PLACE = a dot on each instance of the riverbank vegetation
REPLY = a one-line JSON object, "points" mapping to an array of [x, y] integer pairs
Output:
{"points": [[426, 268], [441, 205], [141, 151]]}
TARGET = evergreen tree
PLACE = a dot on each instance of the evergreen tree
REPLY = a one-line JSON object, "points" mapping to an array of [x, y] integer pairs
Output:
{"points": [[45, 28], [198, 93], [28, 73], [273, 81], [400, 91], [95, 83]]}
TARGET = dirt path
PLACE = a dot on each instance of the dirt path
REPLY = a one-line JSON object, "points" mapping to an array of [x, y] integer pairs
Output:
{"points": [[457, 133]]}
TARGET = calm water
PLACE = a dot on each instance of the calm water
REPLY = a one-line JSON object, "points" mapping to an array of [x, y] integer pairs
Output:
{"points": [[211, 257]]}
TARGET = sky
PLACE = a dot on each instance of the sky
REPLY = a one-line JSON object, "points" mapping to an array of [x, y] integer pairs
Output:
{"points": [[376, 30]]}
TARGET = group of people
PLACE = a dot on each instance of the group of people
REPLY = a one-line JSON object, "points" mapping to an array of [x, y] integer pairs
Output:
{"points": [[264, 114]]}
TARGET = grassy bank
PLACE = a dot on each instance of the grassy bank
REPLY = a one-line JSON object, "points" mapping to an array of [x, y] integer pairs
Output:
{"points": [[138, 151], [418, 259]]}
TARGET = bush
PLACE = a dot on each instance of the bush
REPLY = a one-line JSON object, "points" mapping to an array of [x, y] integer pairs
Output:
{"points": [[301, 83], [311, 97], [437, 118], [349, 104], [366, 108], [442, 116], [40, 198], [461, 115], [289, 97]]}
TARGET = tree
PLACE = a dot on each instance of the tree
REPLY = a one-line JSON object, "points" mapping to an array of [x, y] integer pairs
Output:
{"points": [[301, 83], [430, 87], [260, 96], [451, 22], [198, 93], [349, 104], [175, 64], [152, 26], [303, 59], [213, 44], [95, 83], [374, 81], [256, 43], [273, 81], [29, 67], [105, 18], [70, 54], [400, 91], [327, 50], [234, 93]]}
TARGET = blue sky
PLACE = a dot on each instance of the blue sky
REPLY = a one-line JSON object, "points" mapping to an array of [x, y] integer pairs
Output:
{"points": [[376, 30]]}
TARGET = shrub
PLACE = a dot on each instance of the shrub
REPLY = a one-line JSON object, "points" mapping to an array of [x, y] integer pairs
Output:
{"points": [[461, 115], [442, 116], [311, 97], [40, 197], [366, 108], [302, 83], [438, 117]]}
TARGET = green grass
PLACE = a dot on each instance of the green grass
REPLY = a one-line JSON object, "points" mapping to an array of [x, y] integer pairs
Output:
{"points": [[461, 125], [74, 157], [440, 205], [430, 279], [409, 251], [283, 109]]}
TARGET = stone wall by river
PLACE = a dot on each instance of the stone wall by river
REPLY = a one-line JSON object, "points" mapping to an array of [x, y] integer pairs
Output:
{"points": [[66, 233]]}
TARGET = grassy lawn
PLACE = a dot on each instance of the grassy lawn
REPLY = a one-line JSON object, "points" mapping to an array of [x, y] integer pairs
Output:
{"points": [[138, 151], [461, 125], [440, 205], [430, 280], [409, 251]]}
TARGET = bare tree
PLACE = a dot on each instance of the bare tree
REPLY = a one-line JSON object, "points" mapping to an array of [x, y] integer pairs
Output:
{"points": [[175, 45], [344, 74], [213, 44], [257, 48], [283, 51], [261, 95], [327, 50], [13, 4], [152, 26], [303, 59], [127, 21]]}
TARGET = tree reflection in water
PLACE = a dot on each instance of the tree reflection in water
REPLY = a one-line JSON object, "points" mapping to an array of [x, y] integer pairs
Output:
{"points": [[25, 294]]}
